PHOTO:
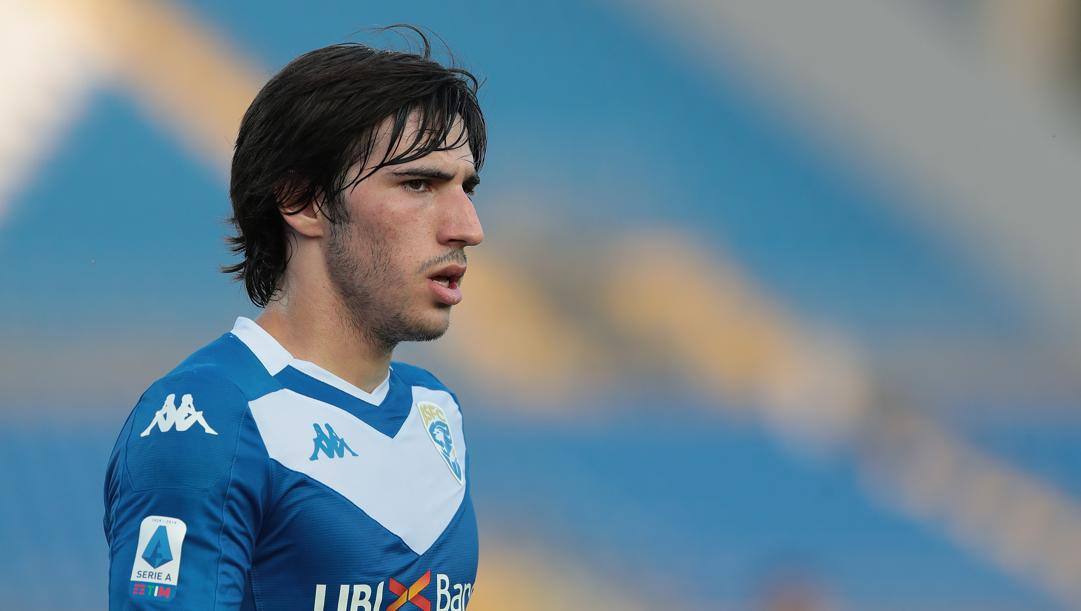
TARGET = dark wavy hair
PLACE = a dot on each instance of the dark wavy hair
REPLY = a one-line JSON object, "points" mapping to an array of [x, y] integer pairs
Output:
{"points": [[315, 120]]}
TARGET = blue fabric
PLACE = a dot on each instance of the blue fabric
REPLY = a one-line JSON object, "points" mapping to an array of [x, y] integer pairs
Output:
{"points": [[386, 418], [261, 536]]}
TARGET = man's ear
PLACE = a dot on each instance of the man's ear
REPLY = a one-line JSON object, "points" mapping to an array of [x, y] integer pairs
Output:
{"points": [[304, 217]]}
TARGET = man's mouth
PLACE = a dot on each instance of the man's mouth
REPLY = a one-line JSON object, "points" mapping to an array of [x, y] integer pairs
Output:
{"points": [[446, 282], [450, 282], [449, 275]]}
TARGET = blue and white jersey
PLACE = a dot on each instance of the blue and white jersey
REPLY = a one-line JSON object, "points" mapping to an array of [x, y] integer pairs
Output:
{"points": [[248, 479]]}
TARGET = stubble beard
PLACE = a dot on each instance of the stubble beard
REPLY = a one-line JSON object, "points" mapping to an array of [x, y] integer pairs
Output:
{"points": [[370, 290]]}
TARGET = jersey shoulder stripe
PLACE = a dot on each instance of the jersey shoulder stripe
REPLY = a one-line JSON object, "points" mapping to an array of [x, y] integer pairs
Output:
{"points": [[413, 375], [229, 358], [185, 428]]}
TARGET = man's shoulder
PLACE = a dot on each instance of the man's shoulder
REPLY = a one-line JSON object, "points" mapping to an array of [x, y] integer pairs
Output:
{"points": [[225, 364], [212, 385], [418, 376], [184, 428], [220, 379]]}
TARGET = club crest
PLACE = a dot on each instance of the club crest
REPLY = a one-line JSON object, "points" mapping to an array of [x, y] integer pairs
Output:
{"points": [[438, 428]]}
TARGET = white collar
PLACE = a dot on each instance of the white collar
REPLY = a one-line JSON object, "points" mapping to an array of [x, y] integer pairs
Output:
{"points": [[275, 357]]}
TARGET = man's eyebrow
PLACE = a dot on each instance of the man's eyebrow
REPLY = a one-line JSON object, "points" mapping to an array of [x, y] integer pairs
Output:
{"points": [[435, 174]]}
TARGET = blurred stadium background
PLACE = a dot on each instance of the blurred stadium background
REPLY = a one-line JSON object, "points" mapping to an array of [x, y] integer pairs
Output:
{"points": [[780, 306]]}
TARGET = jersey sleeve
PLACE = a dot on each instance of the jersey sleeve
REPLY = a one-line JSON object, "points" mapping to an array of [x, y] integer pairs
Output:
{"points": [[184, 495]]}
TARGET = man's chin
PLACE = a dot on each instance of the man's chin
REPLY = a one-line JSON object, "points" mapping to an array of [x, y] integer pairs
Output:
{"points": [[424, 335], [430, 328], [411, 327]]}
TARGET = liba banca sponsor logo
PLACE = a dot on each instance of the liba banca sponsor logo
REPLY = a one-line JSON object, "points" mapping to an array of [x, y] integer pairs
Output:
{"points": [[396, 594]]}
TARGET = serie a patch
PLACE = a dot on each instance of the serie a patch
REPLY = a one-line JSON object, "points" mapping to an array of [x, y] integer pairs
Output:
{"points": [[156, 570]]}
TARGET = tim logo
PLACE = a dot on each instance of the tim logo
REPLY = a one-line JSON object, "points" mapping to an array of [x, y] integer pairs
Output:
{"points": [[329, 443], [182, 418]]}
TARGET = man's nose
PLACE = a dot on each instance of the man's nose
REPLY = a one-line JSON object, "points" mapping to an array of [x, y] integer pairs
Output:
{"points": [[461, 225]]}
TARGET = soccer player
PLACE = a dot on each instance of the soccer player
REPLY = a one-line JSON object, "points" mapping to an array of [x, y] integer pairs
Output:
{"points": [[290, 464]]}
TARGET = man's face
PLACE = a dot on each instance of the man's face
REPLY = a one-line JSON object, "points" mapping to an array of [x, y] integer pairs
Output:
{"points": [[398, 261]]}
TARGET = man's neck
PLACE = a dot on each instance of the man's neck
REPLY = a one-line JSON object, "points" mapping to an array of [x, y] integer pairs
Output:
{"points": [[327, 340]]}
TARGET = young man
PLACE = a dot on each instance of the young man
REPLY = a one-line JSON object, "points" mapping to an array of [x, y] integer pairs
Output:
{"points": [[290, 464]]}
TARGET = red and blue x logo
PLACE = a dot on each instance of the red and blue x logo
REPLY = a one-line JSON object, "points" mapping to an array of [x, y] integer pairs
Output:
{"points": [[411, 594]]}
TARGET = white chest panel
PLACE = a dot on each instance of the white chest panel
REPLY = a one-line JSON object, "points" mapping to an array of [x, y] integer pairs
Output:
{"points": [[403, 482]]}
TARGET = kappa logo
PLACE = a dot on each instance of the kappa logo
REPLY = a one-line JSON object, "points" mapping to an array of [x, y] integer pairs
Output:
{"points": [[182, 418], [329, 443], [438, 428]]}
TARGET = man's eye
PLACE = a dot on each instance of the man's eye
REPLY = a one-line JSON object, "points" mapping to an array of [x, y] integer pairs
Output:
{"points": [[418, 185]]}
